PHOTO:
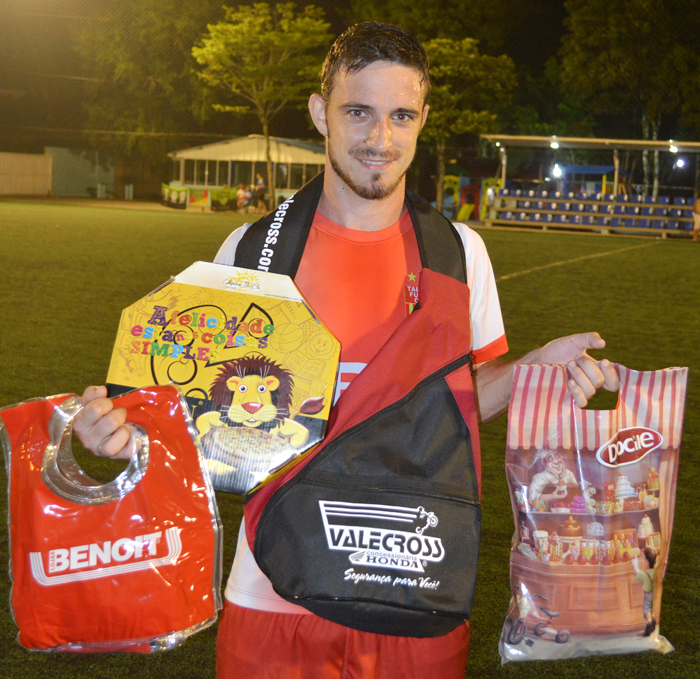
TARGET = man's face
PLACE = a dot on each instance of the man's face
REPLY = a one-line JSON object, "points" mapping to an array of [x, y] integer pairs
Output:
{"points": [[555, 463], [371, 123]]}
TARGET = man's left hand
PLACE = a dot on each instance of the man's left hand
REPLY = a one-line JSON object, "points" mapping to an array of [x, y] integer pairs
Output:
{"points": [[586, 375]]}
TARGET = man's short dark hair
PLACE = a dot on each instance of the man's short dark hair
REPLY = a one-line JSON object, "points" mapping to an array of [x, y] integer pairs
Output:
{"points": [[365, 43]]}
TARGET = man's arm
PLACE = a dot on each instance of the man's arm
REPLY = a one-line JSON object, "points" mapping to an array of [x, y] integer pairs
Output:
{"points": [[493, 380]]}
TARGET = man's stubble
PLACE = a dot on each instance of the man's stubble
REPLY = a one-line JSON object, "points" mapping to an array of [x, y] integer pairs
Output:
{"points": [[376, 190]]}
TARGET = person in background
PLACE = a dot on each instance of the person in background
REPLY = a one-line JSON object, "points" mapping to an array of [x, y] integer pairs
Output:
{"points": [[248, 198], [240, 197], [260, 191]]}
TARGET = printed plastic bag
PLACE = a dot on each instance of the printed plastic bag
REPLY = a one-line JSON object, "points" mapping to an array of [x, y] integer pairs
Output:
{"points": [[593, 496], [131, 565]]}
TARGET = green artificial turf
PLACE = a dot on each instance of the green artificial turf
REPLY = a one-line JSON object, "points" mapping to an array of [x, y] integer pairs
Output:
{"points": [[67, 272]]}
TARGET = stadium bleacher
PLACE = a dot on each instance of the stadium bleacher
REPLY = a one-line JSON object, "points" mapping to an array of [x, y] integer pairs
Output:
{"points": [[633, 213]]}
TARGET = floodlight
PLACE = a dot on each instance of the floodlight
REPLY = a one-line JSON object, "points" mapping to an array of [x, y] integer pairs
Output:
{"points": [[556, 170], [554, 145], [680, 163], [672, 148]]}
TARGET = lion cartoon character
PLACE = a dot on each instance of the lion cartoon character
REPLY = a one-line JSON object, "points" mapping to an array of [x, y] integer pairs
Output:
{"points": [[251, 431]]}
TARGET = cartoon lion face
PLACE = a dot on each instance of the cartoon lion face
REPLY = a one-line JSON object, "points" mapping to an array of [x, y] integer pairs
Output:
{"points": [[251, 404], [253, 391]]}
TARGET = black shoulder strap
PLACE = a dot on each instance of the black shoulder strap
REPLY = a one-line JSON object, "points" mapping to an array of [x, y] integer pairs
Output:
{"points": [[276, 242], [436, 236]]}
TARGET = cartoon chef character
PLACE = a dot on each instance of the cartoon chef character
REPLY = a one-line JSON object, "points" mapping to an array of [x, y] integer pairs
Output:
{"points": [[554, 473]]}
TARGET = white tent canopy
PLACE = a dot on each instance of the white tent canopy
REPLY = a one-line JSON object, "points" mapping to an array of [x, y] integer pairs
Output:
{"points": [[252, 148], [230, 162]]}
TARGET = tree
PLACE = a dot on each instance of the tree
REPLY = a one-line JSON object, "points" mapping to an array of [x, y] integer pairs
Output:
{"points": [[529, 31], [542, 109], [138, 53], [629, 59], [468, 91], [483, 20], [265, 59]]}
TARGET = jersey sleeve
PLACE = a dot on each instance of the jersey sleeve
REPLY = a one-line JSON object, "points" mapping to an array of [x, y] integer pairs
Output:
{"points": [[488, 333], [227, 251]]}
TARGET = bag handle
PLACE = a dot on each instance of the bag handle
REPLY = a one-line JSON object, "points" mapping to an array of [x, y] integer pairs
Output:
{"points": [[64, 476], [543, 414]]}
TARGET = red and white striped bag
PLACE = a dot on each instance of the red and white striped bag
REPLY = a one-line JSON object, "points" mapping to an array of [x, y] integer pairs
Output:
{"points": [[593, 496]]}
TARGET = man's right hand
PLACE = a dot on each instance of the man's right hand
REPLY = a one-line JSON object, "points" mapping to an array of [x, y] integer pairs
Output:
{"points": [[101, 427]]}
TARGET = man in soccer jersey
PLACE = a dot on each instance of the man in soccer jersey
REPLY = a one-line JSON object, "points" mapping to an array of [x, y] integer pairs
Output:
{"points": [[360, 265]]}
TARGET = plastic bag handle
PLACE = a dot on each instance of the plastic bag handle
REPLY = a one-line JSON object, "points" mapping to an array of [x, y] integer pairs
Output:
{"points": [[64, 476]]}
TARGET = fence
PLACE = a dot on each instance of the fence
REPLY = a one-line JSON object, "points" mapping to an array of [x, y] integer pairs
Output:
{"points": [[25, 174]]}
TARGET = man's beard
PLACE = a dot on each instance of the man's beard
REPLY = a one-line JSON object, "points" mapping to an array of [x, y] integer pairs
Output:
{"points": [[376, 190]]}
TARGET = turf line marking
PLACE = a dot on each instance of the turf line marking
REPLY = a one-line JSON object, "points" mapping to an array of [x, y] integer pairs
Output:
{"points": [[570, 261]]}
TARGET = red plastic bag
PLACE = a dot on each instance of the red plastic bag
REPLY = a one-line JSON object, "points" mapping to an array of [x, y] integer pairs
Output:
{"points": [[131, 565], [593, 496]]}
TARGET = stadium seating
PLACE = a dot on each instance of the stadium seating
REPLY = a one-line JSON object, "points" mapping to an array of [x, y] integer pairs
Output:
{"points": [[572, 210]]}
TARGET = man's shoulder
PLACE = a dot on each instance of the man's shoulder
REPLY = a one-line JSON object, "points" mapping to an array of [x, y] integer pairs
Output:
{"points": [[477, 256], [227, 251], [469, 235]]}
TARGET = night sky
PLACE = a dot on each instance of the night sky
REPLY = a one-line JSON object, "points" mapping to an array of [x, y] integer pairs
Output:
{"points": [[42, 79]]}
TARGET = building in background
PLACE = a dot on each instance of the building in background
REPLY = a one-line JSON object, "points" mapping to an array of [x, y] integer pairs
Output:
{"points": [[81, 173], [235, 161], [25, 174]]}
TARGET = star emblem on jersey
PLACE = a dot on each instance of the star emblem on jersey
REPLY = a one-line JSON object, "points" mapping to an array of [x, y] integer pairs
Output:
{"points": [[411, 294]]}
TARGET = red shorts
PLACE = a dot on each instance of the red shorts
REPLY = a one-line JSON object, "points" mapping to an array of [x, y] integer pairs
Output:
{"points": [[257, 644]]}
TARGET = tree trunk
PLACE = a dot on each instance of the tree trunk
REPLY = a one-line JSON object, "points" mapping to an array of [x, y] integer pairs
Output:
{"points": [[645, 156], [440, 148], [655, 133], [268, 158]]}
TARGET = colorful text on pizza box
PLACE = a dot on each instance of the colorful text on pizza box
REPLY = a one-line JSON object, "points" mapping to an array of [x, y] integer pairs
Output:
{"points": [[257, 367]]}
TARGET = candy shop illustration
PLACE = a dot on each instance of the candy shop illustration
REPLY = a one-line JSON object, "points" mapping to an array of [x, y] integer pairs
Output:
{"points": [[593, 496], [581, 524]]}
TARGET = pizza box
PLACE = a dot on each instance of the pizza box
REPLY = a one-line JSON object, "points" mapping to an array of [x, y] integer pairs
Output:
{"points": [[256, 365]]}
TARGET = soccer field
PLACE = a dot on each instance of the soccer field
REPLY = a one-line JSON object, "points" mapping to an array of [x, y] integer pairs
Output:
{"points": [[68, 271]]}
